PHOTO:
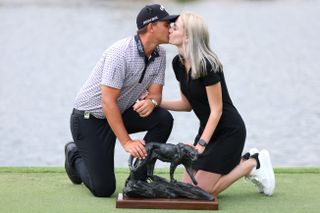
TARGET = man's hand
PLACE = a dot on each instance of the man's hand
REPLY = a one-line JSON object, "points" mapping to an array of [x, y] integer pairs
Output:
{"points": [[144, 107], [144, 95], [136, 148]]}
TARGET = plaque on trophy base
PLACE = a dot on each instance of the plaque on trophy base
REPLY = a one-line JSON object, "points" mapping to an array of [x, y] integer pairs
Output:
{"points": [[165, 203]]}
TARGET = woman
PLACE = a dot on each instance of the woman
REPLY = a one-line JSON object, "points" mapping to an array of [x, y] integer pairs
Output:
{"points": [[221, 135]]}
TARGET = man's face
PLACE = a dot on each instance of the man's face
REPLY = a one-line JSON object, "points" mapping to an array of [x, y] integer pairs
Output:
{"points": [[161, 31]]}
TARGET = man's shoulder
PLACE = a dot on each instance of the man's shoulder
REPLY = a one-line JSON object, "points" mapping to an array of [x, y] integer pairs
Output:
{"points": [[121, 45]]}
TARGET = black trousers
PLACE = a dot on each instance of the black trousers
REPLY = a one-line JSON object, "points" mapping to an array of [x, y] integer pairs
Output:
{"points": [[95, 141]]}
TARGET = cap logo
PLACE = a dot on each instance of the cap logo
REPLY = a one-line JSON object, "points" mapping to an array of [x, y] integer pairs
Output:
{"points": [[161, 7], [150, 20]]}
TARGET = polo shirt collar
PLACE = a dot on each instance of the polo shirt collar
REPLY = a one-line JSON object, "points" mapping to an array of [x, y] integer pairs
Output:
{"points": [[140, 48]]}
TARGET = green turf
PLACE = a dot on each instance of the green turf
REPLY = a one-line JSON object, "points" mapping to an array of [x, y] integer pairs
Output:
{"points": [[49, 190]]}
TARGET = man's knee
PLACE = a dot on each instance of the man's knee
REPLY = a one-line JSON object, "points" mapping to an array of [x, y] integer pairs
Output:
{"points": [[165, 117], [104, 189]]}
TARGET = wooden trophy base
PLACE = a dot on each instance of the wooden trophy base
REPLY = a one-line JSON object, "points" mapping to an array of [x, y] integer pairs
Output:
{"points": [[163, 203]]}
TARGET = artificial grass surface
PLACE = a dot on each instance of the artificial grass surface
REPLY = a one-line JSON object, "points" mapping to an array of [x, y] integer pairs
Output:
{"points": [[49, 190]]}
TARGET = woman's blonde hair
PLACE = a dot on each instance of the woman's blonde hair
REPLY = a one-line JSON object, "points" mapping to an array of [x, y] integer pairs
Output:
{"points": [[197, 48]]}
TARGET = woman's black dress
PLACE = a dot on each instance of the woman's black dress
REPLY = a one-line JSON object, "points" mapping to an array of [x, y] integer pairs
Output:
{"points": [[224, 150]]}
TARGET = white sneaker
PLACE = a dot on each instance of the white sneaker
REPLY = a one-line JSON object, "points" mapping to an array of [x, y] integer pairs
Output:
{"points": [[258, 185], [264, 177], [253, 151]]}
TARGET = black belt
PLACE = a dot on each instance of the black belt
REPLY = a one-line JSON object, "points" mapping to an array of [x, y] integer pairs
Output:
{"points": [[85, 114]]}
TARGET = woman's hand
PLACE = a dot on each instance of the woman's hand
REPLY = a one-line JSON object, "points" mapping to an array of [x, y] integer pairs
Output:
{"points": [[199, 148]]}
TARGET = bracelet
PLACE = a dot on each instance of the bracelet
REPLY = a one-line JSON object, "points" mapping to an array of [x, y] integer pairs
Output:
{"points": [[154, 102]]}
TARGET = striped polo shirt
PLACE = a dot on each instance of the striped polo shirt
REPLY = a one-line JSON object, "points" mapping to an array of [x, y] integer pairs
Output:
{"points": [[122, 66]]}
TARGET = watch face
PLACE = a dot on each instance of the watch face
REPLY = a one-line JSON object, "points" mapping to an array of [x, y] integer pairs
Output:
{"points": [[202, 143]]}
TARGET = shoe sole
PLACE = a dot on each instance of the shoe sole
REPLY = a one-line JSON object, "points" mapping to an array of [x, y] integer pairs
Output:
{"points": [[259, 187], [264, 154], [66, 166]]}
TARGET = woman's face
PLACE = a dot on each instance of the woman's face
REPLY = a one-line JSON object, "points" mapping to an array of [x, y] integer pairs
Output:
{"points": [[176, 33]]}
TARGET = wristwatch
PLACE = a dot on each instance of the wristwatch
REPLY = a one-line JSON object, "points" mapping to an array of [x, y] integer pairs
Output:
{"points": [[154, 102], [202, 142]]}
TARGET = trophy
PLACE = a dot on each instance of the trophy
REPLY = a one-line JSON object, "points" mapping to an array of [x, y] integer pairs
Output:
{"points": [[143, 189]]}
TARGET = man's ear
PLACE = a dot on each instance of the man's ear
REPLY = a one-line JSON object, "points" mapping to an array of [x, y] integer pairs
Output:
{"points": [[150, 27]]}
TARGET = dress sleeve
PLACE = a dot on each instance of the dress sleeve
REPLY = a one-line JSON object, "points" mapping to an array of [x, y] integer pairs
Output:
{"points": [[212, 77]]}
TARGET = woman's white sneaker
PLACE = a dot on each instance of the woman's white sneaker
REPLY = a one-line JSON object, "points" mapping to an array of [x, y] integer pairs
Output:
{"points": [[264, 177], [258, 185], [253, 151]]}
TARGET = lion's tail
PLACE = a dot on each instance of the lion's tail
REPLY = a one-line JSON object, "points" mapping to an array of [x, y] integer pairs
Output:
{"points": [[133, 166], [130, 160]]}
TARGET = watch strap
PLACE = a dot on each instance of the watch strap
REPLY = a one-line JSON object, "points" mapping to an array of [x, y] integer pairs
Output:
{"points": [[202, 142]]}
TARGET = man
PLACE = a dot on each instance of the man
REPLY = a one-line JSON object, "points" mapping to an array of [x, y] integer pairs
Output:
{"points": [[120, 97]]}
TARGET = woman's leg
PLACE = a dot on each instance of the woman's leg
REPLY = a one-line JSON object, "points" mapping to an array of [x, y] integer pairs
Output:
{"points": [[242, 169], [215, 183], [186, 178], [206, 180]]}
